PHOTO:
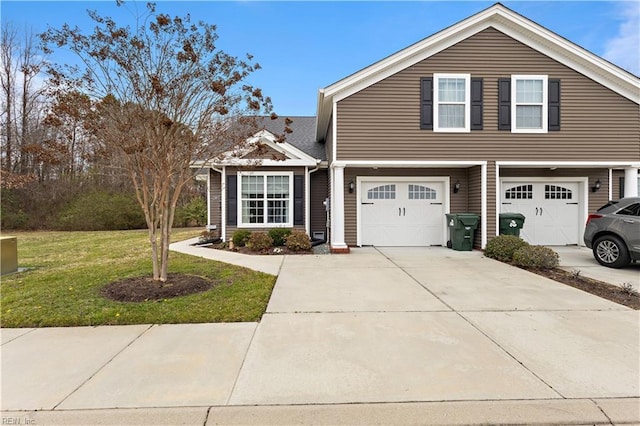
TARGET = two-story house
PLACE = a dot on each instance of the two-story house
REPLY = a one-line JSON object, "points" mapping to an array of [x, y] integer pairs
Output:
{"points": [[493, 114]]}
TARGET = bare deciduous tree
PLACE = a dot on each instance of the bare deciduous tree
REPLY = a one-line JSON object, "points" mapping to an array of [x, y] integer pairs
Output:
{"points": [[165, 96]]}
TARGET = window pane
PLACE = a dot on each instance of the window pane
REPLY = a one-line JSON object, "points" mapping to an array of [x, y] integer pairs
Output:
{"points": [[278, 211], [529, 91], [252, 187], [277, 187], [451, 90], [528, 117], [384, 192], [451, 116], [252, 211]]}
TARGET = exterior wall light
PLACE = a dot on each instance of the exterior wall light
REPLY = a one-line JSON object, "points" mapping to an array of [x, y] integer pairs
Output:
{"points": [[596, 186], [351, 187], [456, 187]]}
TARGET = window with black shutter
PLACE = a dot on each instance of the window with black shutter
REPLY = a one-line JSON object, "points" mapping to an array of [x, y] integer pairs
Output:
{"points": [[426, 103]]}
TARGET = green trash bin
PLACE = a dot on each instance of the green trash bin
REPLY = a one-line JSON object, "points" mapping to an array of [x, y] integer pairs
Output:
{"points": [[461, 229], [511, 223]]}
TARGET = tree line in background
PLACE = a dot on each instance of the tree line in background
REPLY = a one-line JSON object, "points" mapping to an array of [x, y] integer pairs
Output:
{"points": [[55, 173]]}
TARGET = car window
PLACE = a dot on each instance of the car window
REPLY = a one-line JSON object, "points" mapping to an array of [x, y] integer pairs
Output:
{"points": [[609, 204], [631, 210]]}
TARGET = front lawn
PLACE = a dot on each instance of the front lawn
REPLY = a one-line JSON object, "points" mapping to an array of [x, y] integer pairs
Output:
{"points": [[70, 268]]}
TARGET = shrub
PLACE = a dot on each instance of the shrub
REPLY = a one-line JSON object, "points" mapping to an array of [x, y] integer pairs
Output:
{"points": [[102, 211], [209, 237], [502, 247], [279, 235], [194, 213], [260, 241], [298, 241], [240, 237], [538, 257]]}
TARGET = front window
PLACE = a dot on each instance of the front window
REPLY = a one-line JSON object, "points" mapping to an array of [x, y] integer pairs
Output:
{"points": [[451, 106], [265, 199], [529, 103]]}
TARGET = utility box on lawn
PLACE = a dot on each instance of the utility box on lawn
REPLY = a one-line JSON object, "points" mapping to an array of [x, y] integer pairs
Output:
{"points": [[461, 229], [8, 255]]}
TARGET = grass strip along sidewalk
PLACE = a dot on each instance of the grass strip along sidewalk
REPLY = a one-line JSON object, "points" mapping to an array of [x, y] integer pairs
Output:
{"points": [[67, 271]]}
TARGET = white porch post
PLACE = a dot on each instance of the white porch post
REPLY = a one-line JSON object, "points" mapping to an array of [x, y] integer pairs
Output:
{"points": [[337, 209], [631, 182]]}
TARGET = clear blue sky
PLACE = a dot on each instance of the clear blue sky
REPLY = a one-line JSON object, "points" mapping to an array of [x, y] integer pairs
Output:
{"points": [[303, 46]]}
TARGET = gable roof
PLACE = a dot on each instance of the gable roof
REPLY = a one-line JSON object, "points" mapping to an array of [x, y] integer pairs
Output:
{"points": [[502, 19], [302, 137]]}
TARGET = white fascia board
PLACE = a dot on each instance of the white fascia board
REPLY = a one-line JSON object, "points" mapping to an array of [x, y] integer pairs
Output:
{"points": [[417, 163], [270, 163], [566, 164]]}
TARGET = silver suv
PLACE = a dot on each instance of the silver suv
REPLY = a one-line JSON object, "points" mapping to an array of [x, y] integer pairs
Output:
{"points": [[613, 232]]}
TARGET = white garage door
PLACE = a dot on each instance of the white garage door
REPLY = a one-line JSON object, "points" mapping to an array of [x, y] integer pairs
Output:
{"points": [[402, 213], [551, 210]]}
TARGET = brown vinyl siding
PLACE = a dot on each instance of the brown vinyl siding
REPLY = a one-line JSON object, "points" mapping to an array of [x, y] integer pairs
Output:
{"points": [[596, 199], [382, 121], [233, 170], [318, 185], [265, 153], [474, 199], [458, 202], [215, 200], [617, 189]]}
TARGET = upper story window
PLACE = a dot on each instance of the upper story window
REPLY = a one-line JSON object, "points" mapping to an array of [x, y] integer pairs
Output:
{"points": [[451, 102], [529, 109], [265, 199]]}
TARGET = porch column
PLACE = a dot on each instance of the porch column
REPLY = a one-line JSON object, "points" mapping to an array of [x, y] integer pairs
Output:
{"points": [[337, 210], [631, 182]]}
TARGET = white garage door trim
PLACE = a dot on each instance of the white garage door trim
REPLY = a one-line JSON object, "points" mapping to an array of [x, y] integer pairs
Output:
{"points": [[440, 179], [583, 190]]}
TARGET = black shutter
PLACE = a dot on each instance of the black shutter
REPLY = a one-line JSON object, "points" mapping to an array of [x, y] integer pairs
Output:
{"points": [[621, 186], [476, 104], [298, 200], [426, 103], [232, 200], [504, 104], [554, 105]]}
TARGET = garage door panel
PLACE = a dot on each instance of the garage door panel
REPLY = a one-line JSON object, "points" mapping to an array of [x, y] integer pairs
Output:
{"points": [[402, 213], [551, 210]]}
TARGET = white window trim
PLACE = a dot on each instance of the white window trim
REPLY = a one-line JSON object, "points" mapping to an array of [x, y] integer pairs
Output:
{"points": [[545, 103], [265, 224], [467, 103]]}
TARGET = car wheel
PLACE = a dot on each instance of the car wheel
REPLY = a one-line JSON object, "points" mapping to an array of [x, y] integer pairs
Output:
{"points": [[611, 251]]}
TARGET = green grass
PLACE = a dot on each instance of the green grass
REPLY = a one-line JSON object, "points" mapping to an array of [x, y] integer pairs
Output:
{"points": [[70, 268]]}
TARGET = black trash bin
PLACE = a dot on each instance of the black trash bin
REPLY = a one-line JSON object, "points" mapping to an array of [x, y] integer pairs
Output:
{"points": [[511, 223], [461, 229]]}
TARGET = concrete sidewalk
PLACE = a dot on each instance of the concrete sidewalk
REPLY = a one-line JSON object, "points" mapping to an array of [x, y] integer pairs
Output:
{"points": [[379, 336]]}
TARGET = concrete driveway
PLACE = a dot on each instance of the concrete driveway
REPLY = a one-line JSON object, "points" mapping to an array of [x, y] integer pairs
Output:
{"points": [[574, 258], [386, 335]]}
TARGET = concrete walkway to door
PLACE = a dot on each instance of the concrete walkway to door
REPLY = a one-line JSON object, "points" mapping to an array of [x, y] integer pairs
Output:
{"points": [[389, 335]]}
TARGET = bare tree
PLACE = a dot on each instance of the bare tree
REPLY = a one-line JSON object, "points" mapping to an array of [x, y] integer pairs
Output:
{"points": [[22, 102], [165, 96]]}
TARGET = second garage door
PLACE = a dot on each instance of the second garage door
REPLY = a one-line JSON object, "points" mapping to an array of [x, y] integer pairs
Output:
{"points": [[402, 213], [551, 210]]}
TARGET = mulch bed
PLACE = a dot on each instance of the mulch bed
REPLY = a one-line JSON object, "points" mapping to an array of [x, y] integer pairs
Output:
{"points": [[142, 289], [279, 251], [606, 291]]}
